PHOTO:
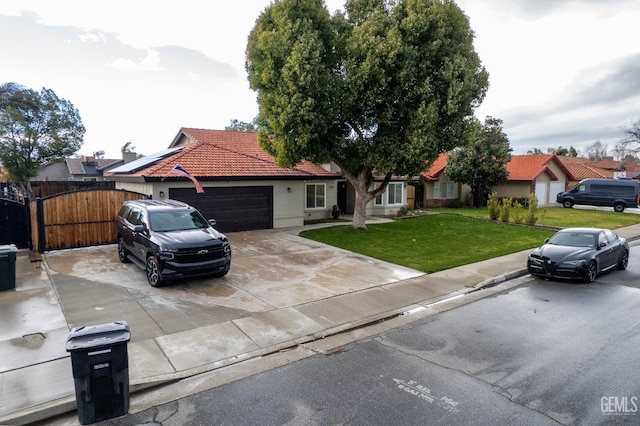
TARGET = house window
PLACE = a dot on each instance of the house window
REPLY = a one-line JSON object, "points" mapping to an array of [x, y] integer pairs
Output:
{"points": [[378, 200], [394, 193], [316, 195], [447, 190]]}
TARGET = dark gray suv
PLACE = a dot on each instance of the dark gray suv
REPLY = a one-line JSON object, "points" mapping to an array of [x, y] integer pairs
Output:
{"points": [[170, 239]]}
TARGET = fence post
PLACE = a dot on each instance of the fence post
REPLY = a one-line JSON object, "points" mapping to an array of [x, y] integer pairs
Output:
{"points": [[42, 240]]}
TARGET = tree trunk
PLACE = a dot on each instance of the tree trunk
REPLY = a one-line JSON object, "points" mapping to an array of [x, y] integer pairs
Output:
{"points": [[360, 212], [361, 183]]}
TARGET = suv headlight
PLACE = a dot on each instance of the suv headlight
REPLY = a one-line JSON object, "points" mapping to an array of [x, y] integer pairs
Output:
{"points": [[227, 249], [168, 253]]}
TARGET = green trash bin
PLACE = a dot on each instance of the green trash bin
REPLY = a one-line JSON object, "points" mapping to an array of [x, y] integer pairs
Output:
{"points": [[8, 267]]}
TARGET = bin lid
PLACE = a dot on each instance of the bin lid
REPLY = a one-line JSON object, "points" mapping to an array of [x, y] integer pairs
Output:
{"points": [[8, 248], [96, 336]]}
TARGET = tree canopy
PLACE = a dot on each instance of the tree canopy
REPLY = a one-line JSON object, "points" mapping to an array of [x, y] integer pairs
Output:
{"points": [[242, 126], [566, 152], [596, 151], [35, 128], [629, 147], [481, 163], [379, 90]]}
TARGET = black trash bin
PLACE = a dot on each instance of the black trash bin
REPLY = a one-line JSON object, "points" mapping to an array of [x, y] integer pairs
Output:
{"points": [[8, 267], [100, 370]]}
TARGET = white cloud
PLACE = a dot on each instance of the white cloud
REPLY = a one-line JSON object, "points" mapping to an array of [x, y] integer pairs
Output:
{"points": [[151, 62]]}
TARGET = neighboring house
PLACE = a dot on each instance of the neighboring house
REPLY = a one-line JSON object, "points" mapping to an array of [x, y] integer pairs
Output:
{"points": [[438, 189], [244, 189], [77, 169], [544, 175], [583, 168]]}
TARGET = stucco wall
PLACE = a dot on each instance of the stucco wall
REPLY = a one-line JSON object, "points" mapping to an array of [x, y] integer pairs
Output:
{"points": [[289, 197]]}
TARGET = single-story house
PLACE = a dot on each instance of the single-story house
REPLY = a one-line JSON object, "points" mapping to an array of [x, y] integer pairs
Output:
{"points": [[583, 168], [544, 175], [244, 189], [438, 190], [80, 169]]}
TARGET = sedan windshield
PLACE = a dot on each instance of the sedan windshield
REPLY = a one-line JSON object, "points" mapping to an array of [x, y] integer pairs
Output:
{"points": [[574, 239], [176, 221]]}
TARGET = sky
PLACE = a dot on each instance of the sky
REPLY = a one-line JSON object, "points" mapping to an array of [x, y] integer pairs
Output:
{"points": [[561, 72]]}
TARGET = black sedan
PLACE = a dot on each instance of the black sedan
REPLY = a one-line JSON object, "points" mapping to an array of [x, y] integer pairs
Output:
{"points": [[579, 253]]}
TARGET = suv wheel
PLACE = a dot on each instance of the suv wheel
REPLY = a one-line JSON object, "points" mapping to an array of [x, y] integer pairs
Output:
{"points": [[153, 272], [122, 251], [567, 204], [618, 207]]}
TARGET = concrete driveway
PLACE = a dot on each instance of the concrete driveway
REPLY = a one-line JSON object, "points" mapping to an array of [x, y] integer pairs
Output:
{"points": [[270, 269]]}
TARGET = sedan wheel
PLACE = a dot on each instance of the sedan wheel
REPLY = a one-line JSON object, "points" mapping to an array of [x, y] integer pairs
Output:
{"points": [[153, 272], [122, 251], [592, 271], [624, 261]]}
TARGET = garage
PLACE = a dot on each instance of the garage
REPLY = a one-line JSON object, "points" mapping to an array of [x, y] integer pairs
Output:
{"points": [[238, 208]]}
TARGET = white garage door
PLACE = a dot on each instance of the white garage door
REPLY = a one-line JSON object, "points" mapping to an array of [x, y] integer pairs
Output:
{"points": [[554, 188], [541, 193]]}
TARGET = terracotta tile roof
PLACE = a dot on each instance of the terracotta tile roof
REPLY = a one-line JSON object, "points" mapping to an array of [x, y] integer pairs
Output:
{"points": [[529, 167], [583, 168], [609, 165], [224, 154], [520, 168], [435, 169]]}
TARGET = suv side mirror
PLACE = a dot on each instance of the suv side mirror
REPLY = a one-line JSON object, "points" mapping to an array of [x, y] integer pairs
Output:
{"points": [[212, 222], [138, 229]]}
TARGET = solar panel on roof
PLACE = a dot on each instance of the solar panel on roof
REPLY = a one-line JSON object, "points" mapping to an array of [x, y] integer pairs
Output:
{"points": [[143, 162]]}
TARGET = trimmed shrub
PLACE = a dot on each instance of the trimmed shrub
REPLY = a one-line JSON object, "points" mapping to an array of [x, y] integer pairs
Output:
{"points": [[494, 206], [532, 216], [518, 213], [505, 211]]}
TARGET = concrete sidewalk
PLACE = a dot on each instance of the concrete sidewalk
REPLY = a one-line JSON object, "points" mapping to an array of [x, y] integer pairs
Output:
{"points": [[171, 342]]}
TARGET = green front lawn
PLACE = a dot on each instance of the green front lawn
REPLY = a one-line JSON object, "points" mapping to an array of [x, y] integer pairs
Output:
{"points": [[433, 242], [454, 237], [564, 218]]}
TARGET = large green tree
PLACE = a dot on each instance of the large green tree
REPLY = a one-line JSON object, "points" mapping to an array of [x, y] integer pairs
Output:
{"points": [[35, 128], [481, 163], [378, 89]]}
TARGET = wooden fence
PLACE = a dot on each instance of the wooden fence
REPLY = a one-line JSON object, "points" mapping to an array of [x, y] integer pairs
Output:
{"points": [[42, 189], [77, 219]]}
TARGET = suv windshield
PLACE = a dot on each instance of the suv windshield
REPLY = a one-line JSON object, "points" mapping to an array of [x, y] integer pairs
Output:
{"points": [[176, 221]]}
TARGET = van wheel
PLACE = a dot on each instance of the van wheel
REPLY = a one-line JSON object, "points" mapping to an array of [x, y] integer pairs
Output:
{"points": [[567, 204], [619, 207]]}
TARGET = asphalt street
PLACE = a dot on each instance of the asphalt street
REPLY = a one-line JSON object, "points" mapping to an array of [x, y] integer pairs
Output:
{"points": [[544, 352]]}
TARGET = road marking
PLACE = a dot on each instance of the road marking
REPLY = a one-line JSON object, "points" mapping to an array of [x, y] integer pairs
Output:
{"points": [[424, 393]]}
